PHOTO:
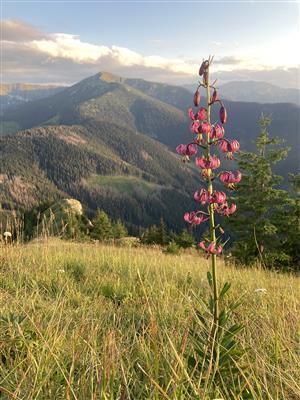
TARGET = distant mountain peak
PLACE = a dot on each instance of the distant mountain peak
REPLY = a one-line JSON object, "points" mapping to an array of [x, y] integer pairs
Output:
{"points": [[109, 77]]}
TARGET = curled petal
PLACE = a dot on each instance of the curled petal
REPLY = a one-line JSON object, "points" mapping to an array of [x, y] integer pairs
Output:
{"points": [[228, 177], [217, 132], [191, 149], [195, 127], [202, 245], [235, 146], [202, 196], [211, 248], [186, 217], [181, 149], [201, 162], [193, 218], [202, 114], [205, 127], [225, 210], [223, 146], [219, 197], [212, 162], [191, 114]]}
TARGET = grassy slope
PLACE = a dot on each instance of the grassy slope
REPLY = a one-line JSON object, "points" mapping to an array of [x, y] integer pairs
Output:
{"points": [[125, 184], [96, 316]]}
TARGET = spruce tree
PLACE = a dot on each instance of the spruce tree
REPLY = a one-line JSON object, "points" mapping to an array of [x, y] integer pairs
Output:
{"points": [[162, 236], [261, 203], [102, 227], [119, 230], [289, 225], [185, 239]]}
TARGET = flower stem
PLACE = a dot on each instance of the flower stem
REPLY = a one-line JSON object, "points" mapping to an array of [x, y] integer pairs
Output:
{"points": [[213, 240]]}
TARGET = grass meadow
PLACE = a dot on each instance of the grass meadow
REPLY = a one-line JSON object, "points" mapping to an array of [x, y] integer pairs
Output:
{"points": [[91, 321]]}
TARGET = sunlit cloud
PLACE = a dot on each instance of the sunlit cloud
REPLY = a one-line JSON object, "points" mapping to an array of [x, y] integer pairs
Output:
{"points": [[27, 51]]}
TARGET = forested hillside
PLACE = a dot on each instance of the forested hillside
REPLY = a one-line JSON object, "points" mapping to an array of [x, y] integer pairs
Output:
{"points": [[105, 129]]}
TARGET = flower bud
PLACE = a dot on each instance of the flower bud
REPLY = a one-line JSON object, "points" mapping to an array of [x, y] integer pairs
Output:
{"points": [[215, 96], [197, 98], [203, 67], [223, 115]]}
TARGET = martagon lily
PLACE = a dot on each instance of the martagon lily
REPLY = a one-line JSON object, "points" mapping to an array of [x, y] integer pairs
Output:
{"points": [[210, 136]]}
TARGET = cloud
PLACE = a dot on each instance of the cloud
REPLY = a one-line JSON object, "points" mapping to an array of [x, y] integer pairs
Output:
{"points": [[72, 48], [19, 31], [61, 45], [29, 55], [228, 60]]}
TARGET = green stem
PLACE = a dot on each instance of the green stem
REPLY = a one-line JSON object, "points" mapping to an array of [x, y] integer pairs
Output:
{"points": [[213, 240]]}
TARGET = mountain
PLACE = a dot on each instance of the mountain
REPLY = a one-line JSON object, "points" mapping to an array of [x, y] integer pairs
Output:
{"points": [[101, 98], [131, 176], [242, 122], [15, 94], [109, 142], [259, 92], [157, 110], [256, 91]]}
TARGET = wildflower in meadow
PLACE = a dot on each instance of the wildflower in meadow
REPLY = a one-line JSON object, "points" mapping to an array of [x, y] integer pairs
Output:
{"points": [[211, 201], [207, 135]]}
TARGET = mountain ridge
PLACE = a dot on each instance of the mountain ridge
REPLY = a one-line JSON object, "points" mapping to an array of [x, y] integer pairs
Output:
{"points": [[105, 126]]}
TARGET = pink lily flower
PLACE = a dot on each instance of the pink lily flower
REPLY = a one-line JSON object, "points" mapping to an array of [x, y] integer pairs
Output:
{"points": [[181, 149], [202, 196], [186, 150], [195, 127], [212, 162], [224, 209], [218, 198], [211, 248], [229, 147], [205, 127], [193, 218], [229, 178], [217, 132]]}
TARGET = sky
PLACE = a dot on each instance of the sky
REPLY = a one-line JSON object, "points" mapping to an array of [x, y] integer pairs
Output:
{"points": [[62, 42]]}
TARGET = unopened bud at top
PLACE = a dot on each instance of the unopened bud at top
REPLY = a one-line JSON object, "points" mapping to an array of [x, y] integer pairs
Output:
{"points": [[203, 67]]}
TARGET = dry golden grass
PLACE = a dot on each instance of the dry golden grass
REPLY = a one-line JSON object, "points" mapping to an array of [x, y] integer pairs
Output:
{"points": [[83, 321]]}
